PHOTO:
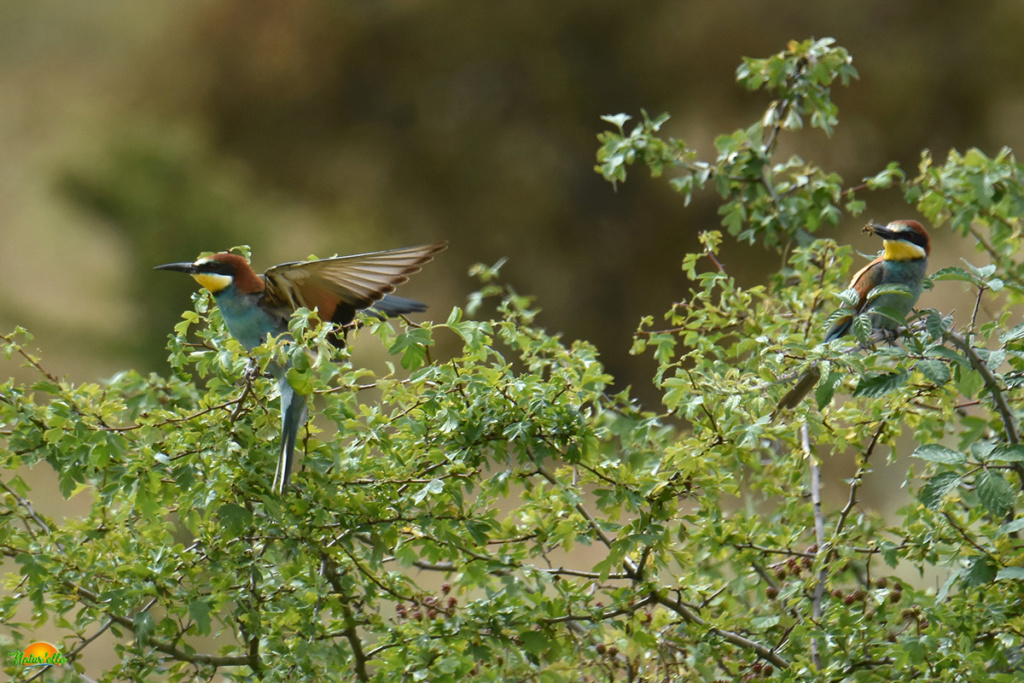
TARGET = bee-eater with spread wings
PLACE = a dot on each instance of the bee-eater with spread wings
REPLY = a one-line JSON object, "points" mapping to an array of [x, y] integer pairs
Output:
{"points": [[256, 307]]}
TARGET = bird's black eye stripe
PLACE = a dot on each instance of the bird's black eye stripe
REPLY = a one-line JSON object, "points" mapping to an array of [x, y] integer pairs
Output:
{"points": [[215, 268], [917, 238]]}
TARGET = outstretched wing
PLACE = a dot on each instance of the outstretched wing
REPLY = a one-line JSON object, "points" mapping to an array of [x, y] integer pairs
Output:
{"points": [[338, 287]]}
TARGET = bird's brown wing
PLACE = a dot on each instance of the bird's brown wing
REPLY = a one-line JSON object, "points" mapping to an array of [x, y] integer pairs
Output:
{"points": [[338, 287], [865, 279]]}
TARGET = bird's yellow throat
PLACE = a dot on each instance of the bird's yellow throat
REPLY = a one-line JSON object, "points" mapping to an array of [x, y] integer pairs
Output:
{"points": [[213, 281], [902, 251]]}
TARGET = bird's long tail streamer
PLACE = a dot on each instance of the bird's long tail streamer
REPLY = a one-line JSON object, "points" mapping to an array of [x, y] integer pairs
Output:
{"points": [[293, 416]]}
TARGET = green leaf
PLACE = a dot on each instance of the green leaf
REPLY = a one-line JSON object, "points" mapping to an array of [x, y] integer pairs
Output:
{"points": [[935, 371], [300, 380], [32, 568], [826, 389], [995, 493], [234, 519], [200, 610], [971, 383], [983, 273], [534, 641], [880, 290], [947, 353], [875, 385], [617, 120], [980, 450], [932, 493], [1010, 574], [916, 651], [862, 328], [146, 500], [980, 571], [885, 179], [1011, 527], [412, 344], [1012, 335], [433, 487], [954, 273], [936, 324], [855, 207], [47, 386], [300, 357], [1006, 453], [891, 314], [734, 215], [948, 584], [934, 452], [850, 298], [765, 623], [143, 625]]}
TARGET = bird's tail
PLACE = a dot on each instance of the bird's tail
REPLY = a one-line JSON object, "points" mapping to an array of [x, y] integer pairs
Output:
{"points": [[388, 307], [395, 305], [293, 416], [802, 387]]}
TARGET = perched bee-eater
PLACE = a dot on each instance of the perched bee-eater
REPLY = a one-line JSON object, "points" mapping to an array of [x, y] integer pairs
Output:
{"points": [[256, 307], [903, 261]]}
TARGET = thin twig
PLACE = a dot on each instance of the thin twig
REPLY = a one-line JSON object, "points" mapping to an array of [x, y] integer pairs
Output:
{"points": [[611, 614], [29, 509], [736, 639], [974, 315], [963, 533], [991, 383], [775, 551], [858, 478], [157, 644], [714, 259]]}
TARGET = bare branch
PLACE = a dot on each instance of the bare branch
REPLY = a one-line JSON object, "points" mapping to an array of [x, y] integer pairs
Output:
{"points": [[819, 535], [991, 383]]}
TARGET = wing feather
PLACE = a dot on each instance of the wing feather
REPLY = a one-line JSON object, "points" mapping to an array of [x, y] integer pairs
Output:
{"points": [[865, 279], [338, 287]]}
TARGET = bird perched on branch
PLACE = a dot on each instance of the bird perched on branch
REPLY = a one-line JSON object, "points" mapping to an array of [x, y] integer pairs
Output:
{"points": [[256, 307], [903, 261]]}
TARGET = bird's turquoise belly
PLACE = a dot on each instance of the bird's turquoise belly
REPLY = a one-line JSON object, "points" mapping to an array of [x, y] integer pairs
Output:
{"points": [[248, 323], [895, 303]]}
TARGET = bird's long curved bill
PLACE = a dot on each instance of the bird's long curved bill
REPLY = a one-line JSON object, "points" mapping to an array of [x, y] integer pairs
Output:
{"points": [[880, 230], [178, 267]]}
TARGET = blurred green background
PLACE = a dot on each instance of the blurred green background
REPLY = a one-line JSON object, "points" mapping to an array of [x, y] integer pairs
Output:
{"points": [[135, 134]]}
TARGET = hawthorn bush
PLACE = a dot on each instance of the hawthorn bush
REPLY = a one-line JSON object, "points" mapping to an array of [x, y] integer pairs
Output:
{"points": [[500, 514]]}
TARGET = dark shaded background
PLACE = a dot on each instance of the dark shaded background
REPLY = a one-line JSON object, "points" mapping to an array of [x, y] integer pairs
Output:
{"points": [[139, 133]]}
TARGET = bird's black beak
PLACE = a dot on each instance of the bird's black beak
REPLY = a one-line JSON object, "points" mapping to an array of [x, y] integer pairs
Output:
{"points": [[189, 268], [880, 230]]}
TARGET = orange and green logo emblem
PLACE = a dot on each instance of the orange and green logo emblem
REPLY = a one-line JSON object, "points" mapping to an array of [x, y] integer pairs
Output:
{"points": [[37, 654]]}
